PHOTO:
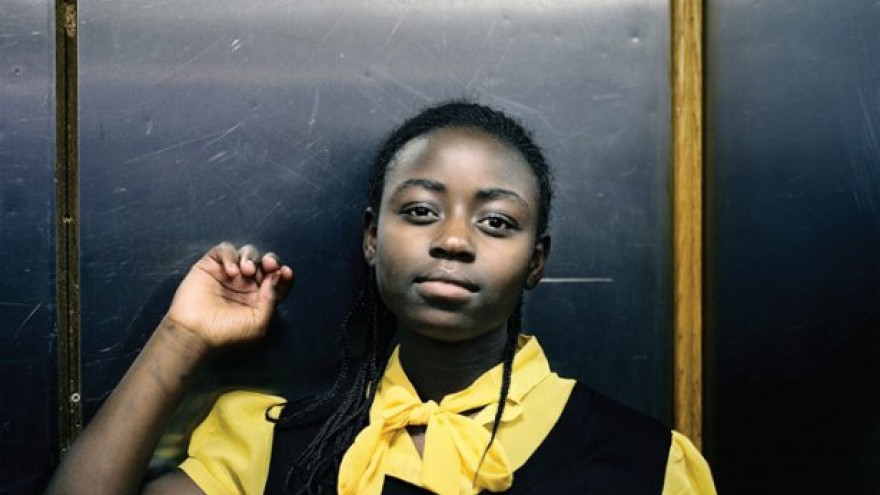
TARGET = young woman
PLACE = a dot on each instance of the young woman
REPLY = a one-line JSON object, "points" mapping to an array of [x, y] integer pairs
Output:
{"points": [[463, 403]]}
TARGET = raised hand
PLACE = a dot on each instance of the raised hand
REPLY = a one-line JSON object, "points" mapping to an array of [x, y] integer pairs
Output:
{"points": [[229, 295]]}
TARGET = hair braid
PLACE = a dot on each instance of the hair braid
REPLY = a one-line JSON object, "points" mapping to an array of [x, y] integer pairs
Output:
{"points": [[514, 329], [324, 453]]}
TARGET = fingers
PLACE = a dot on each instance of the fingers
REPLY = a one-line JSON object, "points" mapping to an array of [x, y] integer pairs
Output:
{"points": [[277, 284], [279, 277], [270, 262], [244, 261], [225, 255], [247, 262], [284, 282]]}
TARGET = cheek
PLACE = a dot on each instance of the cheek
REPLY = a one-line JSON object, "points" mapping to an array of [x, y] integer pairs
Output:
{"points": [[513, 272], [391, 258]]}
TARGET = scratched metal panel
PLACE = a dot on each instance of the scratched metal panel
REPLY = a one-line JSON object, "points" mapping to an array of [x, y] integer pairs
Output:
{"points": [[211, 120], [794, 106], [28, 418]]}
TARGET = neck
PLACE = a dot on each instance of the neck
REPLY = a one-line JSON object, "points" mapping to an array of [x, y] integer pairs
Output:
{"points": [[437, 368]]}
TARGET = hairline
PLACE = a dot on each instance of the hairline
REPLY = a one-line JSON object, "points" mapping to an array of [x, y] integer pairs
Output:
{"points": [[510, 148]]}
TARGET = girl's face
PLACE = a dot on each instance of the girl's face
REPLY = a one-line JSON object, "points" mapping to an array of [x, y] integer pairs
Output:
{"points": [[455, 241]]}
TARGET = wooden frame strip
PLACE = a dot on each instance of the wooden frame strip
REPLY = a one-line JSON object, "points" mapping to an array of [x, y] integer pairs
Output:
{"points": [[687, 132], [67, 223]]}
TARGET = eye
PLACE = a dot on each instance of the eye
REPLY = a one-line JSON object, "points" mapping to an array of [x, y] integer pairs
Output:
{"points": [[419, 213], [498, 225]]}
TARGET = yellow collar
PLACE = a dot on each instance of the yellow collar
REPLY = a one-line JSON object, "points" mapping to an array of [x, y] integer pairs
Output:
{"points": [[455, 443]]}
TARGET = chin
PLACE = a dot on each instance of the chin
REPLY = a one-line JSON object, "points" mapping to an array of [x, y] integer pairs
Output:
{"points": [[442, 327], [450, 332], [447, 336]]}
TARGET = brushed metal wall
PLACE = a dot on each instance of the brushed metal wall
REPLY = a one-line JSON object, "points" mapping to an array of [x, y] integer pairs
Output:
{"points": [[794, 246], [205, 120], [211, 120], [202, 121], [28, 402]]}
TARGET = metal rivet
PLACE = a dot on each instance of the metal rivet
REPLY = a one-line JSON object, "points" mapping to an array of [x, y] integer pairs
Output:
{"points": [[74, 397]]}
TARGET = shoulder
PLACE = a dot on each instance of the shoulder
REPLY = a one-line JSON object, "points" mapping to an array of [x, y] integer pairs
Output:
{"points": [[229, 451], [606, 428], [598, 446], [621, 441], [235, 414], [602, 419], [247, 404], [627, 442], [687, 472]]}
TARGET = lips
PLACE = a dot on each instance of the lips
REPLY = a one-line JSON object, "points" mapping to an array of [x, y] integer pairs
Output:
{"points": [[448, 289], [446, 277]]}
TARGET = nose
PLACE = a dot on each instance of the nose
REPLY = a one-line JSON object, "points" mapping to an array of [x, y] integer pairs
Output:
{"points": [[453, 240]]}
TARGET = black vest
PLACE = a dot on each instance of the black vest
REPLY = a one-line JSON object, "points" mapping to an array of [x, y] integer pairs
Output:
{"points": [[597, 447]]}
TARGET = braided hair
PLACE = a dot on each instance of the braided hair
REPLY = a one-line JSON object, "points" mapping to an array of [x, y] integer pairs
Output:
{"points": [[352, 393]]}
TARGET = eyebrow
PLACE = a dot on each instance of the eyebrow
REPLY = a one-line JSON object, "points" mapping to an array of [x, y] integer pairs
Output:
{"points": [[483, 194], [498, 193], [428, 184]]}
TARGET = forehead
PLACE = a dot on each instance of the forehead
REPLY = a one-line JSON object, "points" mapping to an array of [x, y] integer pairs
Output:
{"points": [[463, 157]]}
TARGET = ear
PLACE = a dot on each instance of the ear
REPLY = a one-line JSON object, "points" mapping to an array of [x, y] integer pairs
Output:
{"points": [[370, 237], [538, 261]]}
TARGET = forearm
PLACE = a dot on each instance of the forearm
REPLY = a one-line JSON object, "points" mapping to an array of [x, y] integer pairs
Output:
{"points": [[112, 454]]}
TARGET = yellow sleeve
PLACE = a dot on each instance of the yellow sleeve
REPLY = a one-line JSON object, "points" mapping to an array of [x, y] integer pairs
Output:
{"points": [[229, 451], [687, 472]]}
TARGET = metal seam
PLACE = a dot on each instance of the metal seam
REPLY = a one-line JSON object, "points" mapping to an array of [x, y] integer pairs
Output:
{"points": [[67, 223]]}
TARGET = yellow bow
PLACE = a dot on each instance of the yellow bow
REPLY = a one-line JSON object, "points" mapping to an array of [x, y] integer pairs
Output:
{"points": [[454, 444]]}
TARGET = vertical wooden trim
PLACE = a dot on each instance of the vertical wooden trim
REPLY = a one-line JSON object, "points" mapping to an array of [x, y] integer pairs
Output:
{"points": [[67, 222], [687, 128]]}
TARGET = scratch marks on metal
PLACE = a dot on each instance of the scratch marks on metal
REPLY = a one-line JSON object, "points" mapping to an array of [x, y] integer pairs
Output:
{"points": [[864, 163], [331, 30], [158, 4], [27, 319], [397, 82], [265, 217], [870, 137], [123, 207], [128, 112], [31, 119], [167, 148], [535, 112], [309, 219], [491, 31], [134, 318], [226, 132], [478, 75], [187, 62], [213, 136], [219, 157], [393, 31], [305, 179], [503, 56], [478, 72], [313, 117]]}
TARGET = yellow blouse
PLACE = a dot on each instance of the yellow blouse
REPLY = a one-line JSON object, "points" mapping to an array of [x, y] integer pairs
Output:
{"points": [[229, 451]]}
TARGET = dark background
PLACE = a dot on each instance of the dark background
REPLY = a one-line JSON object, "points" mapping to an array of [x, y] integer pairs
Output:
{"points": [[793, 327], [202, 121], [28, 373]]}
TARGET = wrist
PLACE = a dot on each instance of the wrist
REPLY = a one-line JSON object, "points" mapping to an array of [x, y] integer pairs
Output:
{"points": [[188, 343]]}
